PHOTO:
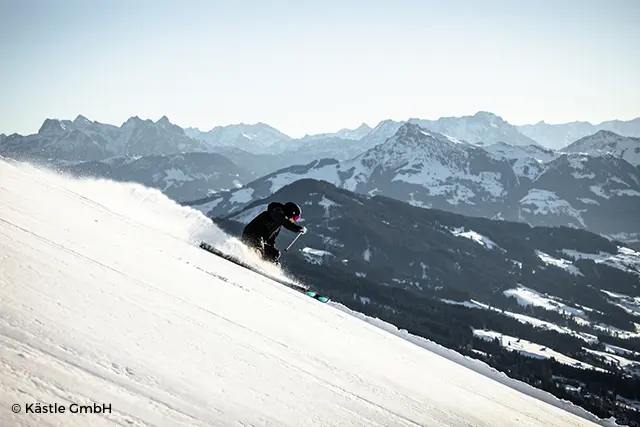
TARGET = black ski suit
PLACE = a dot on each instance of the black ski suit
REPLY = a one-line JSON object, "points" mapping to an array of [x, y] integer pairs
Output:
{"points": [[262, 231]]}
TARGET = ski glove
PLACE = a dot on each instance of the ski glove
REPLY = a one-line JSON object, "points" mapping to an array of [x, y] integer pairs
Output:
{"points": [[303, 230]]}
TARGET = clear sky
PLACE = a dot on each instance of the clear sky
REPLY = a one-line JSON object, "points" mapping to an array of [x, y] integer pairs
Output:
{"points": [[309, 67]]}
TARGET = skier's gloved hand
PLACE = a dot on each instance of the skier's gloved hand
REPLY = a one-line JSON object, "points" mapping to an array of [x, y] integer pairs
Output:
{"points": [[303, 230]]}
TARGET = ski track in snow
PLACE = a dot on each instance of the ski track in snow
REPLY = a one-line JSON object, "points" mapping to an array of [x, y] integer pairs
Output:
{"points": [[105, 299]]}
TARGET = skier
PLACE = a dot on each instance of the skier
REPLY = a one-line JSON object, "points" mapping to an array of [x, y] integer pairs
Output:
{"points": [[260, 234]]}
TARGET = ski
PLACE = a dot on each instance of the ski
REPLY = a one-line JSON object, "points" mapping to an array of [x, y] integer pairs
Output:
{"points": [[207, 247], [317, 296]]}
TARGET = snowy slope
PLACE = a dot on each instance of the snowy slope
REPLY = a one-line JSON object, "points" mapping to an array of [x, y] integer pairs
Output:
{"points": [[106, 301], [527, 161]]}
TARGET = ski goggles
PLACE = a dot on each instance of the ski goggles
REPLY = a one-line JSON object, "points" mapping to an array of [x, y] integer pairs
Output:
{"points": [[296, 217]]}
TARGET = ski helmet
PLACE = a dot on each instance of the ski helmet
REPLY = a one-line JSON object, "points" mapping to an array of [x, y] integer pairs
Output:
{"points": [[291, 210]]}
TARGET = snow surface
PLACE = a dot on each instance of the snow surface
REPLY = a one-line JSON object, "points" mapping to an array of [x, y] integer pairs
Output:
{"points": [[629, 304], [106, 299], [175, 175], [523, 318], [526, 296], [545, 202], [531, 349], [559, 262], [626, 259], [632, 366], [477, 237], [528, 161]]}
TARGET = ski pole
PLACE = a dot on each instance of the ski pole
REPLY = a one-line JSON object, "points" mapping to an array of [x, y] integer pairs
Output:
{"points": [[293, 241]]}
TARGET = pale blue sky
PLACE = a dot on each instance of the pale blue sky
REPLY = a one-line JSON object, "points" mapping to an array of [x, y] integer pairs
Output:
{"points": [[309, 67]]}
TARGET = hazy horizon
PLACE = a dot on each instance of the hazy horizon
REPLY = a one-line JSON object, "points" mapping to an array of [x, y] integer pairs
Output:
{"points": [[205, 128], [311, 68]]}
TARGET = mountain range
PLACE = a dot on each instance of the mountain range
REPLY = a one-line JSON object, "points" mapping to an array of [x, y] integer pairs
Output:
{"points": [[474, 165], [579, 187], [82, 139], [557, 136]]}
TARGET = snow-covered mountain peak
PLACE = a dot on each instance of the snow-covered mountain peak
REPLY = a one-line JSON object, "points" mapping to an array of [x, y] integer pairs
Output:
{"points": [[132, 122], [344, 134], [52, 127], [604, 141], [364, 127], [482, 128], [81, 121], [165, 124], [412, 144], [256, 138], [387, 126], [413, 136], [380, 133], [409, 131], [139, 126], [489, 116], [601, 138], [251, 128], [357, 134], [163, 120]]}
